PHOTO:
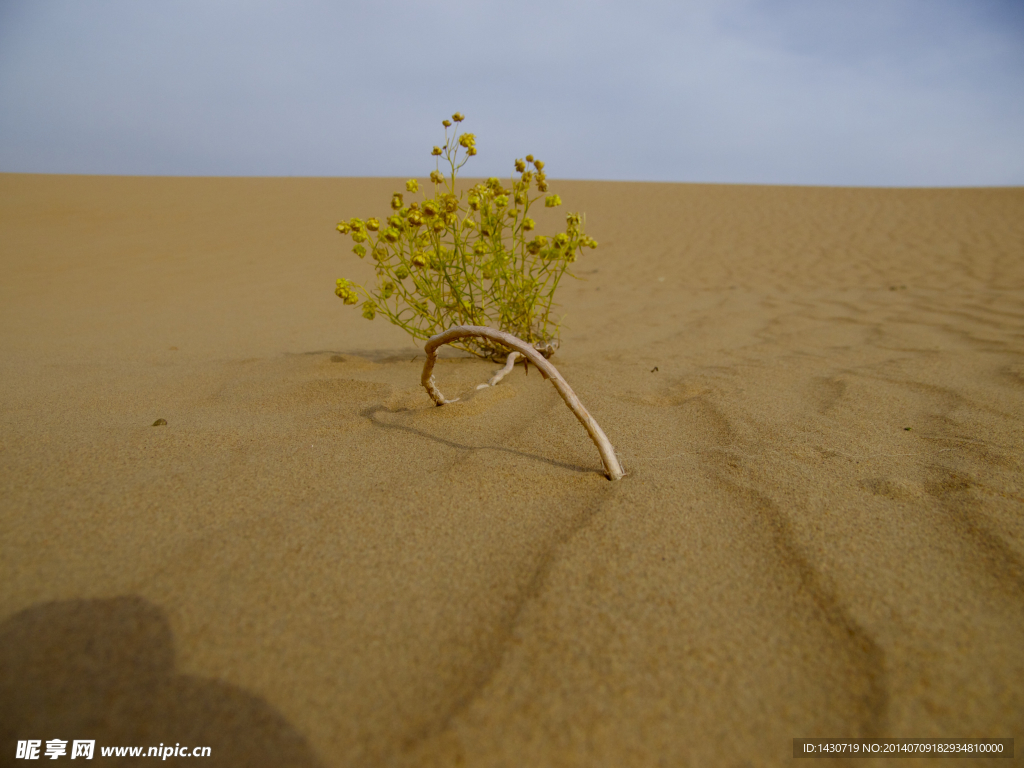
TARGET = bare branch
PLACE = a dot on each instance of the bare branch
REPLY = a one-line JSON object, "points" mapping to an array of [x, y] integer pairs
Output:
{"points": [[611, 463], [509, 365]]}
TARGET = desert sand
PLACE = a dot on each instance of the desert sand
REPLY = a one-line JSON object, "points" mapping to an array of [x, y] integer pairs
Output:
{"points": [[817, 394]]}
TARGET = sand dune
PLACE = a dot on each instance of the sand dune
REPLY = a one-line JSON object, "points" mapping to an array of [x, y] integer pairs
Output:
{"points": [[818, 395]]}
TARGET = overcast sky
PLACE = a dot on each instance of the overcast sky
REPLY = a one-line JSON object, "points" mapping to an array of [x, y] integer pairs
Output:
{"points": [[834, 92]]}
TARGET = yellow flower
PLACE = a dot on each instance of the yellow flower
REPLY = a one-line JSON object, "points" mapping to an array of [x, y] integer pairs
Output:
{"points": [[369, 310], [396, 201], [552, 200], [412, 185], [430, 209], [372, 224], [458, 117], [435, 151], [380, 253], [520, 166], [538, 164], [358, 236], [343, 227], [529, 158], [467, 140], [471, 151], [387, 289], [415, 218], [436, 177], [528, 224], [419, 260], [343, 290], [402, 272], [450, 202], [391, 235], [542, 186], [446, 123], [480, 248], [501, 201], [359, 251], [437, 225]]}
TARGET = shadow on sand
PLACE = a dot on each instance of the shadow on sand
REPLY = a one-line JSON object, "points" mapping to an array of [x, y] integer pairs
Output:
{"points": [[104, 670]]}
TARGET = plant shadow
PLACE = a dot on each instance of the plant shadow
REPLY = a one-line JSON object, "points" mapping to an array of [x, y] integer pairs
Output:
{"points": [[372, 413], [385, 356]]}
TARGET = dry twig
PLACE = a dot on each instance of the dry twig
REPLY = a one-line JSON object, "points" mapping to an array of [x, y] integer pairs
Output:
{"points": [[509, 364], [547, 370]]}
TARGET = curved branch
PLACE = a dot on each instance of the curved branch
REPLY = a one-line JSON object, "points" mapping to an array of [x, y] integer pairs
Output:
{"points": [[548, 371]]}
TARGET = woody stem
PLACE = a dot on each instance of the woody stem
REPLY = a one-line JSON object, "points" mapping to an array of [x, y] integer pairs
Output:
{"points": [[611, 462]]}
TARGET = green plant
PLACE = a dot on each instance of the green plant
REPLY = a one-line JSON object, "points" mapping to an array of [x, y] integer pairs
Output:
{"points": [[467, 257]]}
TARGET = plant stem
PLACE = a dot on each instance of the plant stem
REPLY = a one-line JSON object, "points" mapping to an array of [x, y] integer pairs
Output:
{"points": [[510, 362], [611, 463]]}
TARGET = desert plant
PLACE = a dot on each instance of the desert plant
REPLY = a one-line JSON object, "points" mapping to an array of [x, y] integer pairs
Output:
{"points": [[467, 257]]}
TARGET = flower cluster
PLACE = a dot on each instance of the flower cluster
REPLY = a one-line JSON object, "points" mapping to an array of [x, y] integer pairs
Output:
{"points": [[469, 257]]}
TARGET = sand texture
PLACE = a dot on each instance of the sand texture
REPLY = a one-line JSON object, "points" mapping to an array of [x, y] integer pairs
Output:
{"points": [[818, 396]]}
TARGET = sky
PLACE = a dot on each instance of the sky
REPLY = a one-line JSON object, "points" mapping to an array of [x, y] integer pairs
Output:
{"points": [[813, 92]]}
